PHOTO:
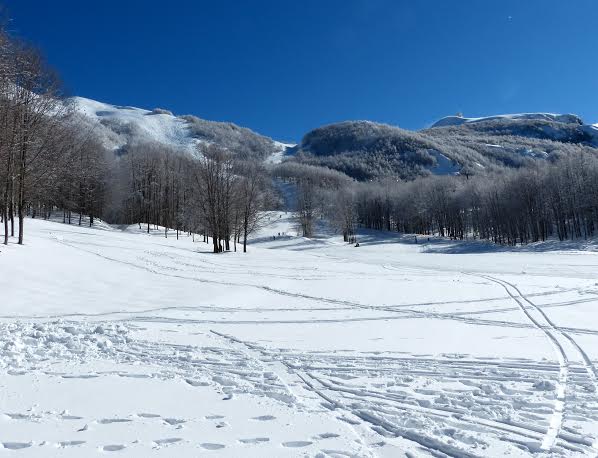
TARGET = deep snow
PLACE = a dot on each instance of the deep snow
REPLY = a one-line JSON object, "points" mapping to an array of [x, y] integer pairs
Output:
{"points": [[116, 341]]}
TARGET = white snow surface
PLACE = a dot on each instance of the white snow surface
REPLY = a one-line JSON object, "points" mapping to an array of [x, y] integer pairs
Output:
{"points": [[459, 120], [152, 127], [114, 125], [592, 131], [282, 150], [116, 341], [444, 165]]}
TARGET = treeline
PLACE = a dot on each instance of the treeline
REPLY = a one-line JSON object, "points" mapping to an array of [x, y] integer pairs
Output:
{"points": [[215, 194], [316, 191], [32, 136], [52, 163], [515, 206], [49, 158]]}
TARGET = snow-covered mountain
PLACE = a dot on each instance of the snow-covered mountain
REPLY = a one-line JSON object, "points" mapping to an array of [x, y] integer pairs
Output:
{"points": [[119, 127], [367, 150], [361, 149], [567, 128], [592, 131], [459, 120]]}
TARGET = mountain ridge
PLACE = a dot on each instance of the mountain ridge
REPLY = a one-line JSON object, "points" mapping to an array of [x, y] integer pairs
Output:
{"points": [[364, 149], [119, 127]]}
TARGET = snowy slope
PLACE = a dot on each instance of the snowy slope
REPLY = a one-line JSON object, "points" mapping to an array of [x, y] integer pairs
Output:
{"points": [[592, 131], [120, 126], [444, 166], [119, 341], [283, 150], [459, 120], [116, 124]]}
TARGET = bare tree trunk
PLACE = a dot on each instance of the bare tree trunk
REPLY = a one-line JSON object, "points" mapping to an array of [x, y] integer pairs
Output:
{"points": [[21, 195], [5, 216], [11, 212]]}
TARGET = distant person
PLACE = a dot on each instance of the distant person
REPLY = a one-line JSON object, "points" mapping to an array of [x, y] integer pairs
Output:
{"points": [[416, 239]]}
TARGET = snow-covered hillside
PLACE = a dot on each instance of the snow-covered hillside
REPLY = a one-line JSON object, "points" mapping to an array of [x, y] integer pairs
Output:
{"points": [[592, 131], [459, 120], [283, 150], [120, 126], [117, 124], [113, 340]]}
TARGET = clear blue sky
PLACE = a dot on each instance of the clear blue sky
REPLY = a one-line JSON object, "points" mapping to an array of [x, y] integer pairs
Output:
{"points": [[282, 67]]}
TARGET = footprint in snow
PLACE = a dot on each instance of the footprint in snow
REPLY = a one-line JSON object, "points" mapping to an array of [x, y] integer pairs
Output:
{"points": [[113, 448], [128, 375], [264, 418], [22, 416], [325, 436], [196, 382], [255, 440], [148, 415], [296, 444], [80, 376], [167, 441], [65, 444], [13, 372], [210, 446], [107, 421], [16, 445], [174, 421]]}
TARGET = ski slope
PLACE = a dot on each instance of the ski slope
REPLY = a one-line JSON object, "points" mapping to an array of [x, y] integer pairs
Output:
{"points": [[115, 341]]}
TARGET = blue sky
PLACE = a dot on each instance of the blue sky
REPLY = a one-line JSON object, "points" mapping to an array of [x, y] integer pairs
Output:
{"points": [[283, 67]]}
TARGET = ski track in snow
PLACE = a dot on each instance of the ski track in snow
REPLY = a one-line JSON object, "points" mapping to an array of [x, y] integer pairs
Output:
{"points": [[341, 400], [556, 336]]}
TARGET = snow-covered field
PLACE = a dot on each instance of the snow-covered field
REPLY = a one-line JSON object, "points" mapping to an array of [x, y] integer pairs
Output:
{"points": [[119, 342]]}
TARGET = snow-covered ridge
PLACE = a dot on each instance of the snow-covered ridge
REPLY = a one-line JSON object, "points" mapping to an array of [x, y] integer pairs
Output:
{"points": [[460, 120], [592, 131], [118, 127], [116, 124]]}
